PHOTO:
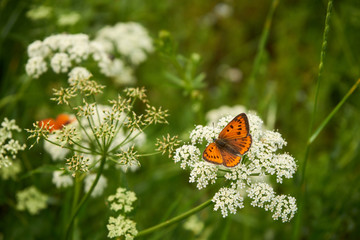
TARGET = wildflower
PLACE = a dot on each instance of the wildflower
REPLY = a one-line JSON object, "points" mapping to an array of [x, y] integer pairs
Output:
{"points": [[36, 66], [214, 115], [194, 225], [227, 200], [167, 144], [9, 147], [62, 180], [154, 115], [31, 199], [77, 164], [54, 148], [100, 186], [128, 158], [11, 171], [121, 226], [68, 19], [261, 159], [66, 51], [60, 63], [129, 39], [122, 200], [39, 12]]}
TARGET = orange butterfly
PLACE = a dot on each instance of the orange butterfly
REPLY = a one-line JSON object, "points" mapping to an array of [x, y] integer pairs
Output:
{"points": [[59, 123], [233, 141]]}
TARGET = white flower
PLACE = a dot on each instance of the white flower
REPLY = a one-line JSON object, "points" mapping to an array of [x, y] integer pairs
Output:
{"points": [[9, 147], [227, 200], [283, 207], [130, 40], [261, 193], [61, 180], [31, 199], [39, 12], [262, 159], [194, 224], [215, 115], [35, 67], [38, 49], [188, 155], [121, 226], [11, 171], [122, 200], [68, 19], [100, 186], [203, 173], [56, 152], [78, 73], [60, 63]]}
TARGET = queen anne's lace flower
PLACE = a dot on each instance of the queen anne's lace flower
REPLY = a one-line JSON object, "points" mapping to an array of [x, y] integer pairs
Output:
{"points": [[100, 186], [31, 199], [60, 180], [122, 200], [261, 159], [117, 50], [227, 200], [9, 147], [121, 226]]}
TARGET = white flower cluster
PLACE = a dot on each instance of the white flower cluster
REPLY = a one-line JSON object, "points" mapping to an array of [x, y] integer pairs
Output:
{"points": [[9, 147], [122, 226], [262, 159], [31, 199], [130, 40], [62, 52], [122, 200], [99, 187], [263, 195]]}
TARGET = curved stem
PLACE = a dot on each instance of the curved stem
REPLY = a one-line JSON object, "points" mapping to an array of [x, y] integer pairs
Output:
{"points": [[175, 219], [261, 49], [84, 199], [302, 183]]}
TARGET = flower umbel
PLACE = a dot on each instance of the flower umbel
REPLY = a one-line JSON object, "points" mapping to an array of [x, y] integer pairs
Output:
{"points": [[9, 147], [31, 199], [122, 226], [167, 144], [260, 160]]}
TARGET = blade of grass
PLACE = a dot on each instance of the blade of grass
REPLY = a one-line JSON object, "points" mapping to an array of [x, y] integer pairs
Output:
{"points": [[302, 183], [261, 49]]}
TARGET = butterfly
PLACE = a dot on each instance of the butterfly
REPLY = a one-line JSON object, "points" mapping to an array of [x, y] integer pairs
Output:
{"points": [[56, 124], [233, 142]]}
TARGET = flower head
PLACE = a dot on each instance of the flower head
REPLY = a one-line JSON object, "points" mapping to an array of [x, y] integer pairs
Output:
{"points": [[31, 199], [261, 159], [9, 147]]}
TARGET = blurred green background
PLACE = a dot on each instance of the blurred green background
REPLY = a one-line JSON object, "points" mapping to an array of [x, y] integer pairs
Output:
{"points": [[226, 35]]}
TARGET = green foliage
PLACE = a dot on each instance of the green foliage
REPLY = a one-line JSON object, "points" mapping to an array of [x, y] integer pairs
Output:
{"points": [[257, 54]]}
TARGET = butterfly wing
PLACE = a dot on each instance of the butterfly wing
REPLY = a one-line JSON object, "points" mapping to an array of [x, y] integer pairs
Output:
{"points": [[212, 154], [242, 145], [229, 159], [237, 128]]}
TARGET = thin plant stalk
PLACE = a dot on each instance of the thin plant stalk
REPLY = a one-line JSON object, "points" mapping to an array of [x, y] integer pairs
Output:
{"points": [[175, 219], [261, 48], [302, 183], [84, 199]]}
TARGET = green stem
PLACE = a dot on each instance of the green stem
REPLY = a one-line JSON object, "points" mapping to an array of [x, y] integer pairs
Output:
{"points": [[302, 183], [261, 48], [84, 199], [175, 219], [328, 118]]}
